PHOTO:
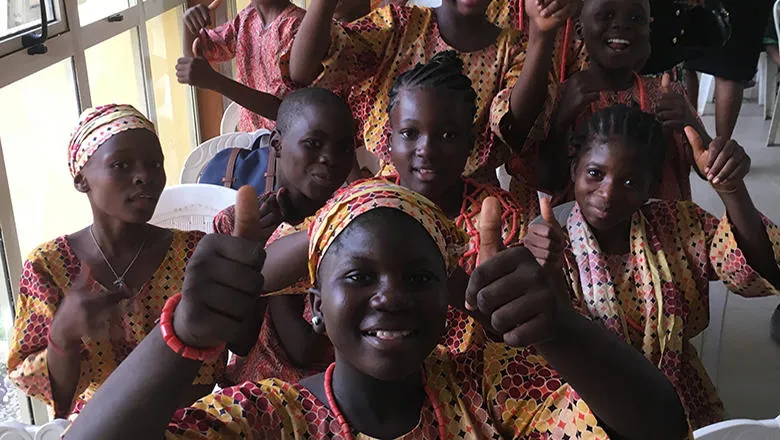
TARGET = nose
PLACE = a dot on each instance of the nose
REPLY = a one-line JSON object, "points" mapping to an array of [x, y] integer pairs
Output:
{"points": [[607, 191], [391, 296], [424, 147], [143, 174]]}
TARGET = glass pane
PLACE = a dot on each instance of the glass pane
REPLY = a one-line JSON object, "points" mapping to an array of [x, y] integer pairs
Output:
{"points": [[17, 16], [91, 11], [173, 101], [241, 4], [35, 144], [10, 397], [115, 71]]}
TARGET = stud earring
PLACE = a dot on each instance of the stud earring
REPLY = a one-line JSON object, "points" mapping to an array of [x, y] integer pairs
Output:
{"points": [[317, 324]]}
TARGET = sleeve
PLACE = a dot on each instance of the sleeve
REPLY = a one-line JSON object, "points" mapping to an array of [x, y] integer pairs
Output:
{"points": [[729, 263], [500, 113], [536, 402], [219, 44], [265, 410], [39, 297], [224, 221], [357, 49]]}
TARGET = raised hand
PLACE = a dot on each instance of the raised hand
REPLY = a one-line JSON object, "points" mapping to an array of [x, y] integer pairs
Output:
{"points": [[674, 110], [197, 18], [86, 311], [580, 90], [724, 162], [196, 72], [509, 289], [546, 240], [223, 280], [549, 15]]}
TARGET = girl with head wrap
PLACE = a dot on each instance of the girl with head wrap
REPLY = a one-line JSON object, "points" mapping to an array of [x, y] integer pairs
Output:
{"points": [[379, 256], [88, 298]]}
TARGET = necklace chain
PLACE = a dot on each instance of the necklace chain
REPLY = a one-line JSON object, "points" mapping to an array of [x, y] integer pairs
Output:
{"points": [[119, 280], [346, 431]]}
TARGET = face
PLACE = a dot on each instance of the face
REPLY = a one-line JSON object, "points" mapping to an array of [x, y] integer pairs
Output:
{"points": [[431, 140], [125, 176], [383, 297], [617, 32], [611, 182], [317, 153], [468, 8]]}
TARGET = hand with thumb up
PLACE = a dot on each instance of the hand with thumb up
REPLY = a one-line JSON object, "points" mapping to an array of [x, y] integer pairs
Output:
{"points": [[723, 162], [674, 110], [509, 289], [545, 240], [223, 279]]}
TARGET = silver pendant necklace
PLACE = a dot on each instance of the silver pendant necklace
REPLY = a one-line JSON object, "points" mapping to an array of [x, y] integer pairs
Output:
{"points": [[119, 281]]}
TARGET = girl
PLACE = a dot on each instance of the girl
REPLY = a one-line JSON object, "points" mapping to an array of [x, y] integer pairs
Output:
{"points": [[511, 74], [87, 299], [643, 268], [379, 258], [617, 38], [313, 141]]}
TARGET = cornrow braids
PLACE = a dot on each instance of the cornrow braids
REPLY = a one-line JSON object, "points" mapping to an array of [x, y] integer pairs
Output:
{"points": [[642, 130], [443, 72]]}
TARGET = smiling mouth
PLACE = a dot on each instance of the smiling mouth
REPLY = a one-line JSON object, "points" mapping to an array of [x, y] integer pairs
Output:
{"points": [[618, 44], [390, 335], [425, 174]]}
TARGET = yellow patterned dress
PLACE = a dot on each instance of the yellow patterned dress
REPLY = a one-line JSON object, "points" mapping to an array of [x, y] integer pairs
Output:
{"points": [[375, 49], [47, 275], [496, 393], [657, 295]]}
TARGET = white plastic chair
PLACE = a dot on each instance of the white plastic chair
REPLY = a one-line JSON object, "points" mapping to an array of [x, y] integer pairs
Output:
{"points": [[192, 206], [771, 139], [203, 153], [740, 429], [706, 91], [503, 177], [229, 122], [19, 431]]}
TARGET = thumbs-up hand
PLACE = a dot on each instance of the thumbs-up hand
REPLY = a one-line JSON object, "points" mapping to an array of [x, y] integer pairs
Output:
{"points": [[197, 18], [545, 240], [222, 280], [724, 162], [508, 288], [674, 110]]}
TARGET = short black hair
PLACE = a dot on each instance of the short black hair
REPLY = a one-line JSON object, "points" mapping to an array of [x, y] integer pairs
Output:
{"points": [[642, 129], [443, 72], [293, 103]]}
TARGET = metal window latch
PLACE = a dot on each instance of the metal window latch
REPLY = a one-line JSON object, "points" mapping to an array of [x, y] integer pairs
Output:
{"points": [[116, 18], [34, 42]]}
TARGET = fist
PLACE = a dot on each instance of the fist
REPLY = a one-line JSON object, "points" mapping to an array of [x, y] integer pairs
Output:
{"points": [[580, 90], [549, 15], [724, 162], [196, 18], [674, 110], [195, 72], [86, 311], [222, 280]]}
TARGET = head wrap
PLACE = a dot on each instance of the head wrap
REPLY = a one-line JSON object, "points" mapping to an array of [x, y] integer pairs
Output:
{"points": [[96, 126], [365, 195]]}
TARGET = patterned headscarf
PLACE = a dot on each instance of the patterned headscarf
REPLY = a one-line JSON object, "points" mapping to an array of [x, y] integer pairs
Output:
{"points": [[96, 126], [365, 195]]}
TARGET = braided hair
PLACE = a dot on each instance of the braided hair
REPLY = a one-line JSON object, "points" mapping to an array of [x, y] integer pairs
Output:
{"points": [[629, 122], [443, 72]]}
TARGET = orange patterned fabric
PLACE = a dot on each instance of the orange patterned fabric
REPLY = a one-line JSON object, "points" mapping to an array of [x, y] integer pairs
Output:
{"points": [[256, 49], [48, 274], [366, 195], [656, 296], [495, 393], [390, 40], [676, 183]]}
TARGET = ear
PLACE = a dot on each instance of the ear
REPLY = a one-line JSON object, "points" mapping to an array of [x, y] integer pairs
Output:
{"points": [[80, 183], [316, 305], [572, 170], [276, 141]]}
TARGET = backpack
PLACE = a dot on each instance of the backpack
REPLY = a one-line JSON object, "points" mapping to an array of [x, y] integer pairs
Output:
{"points": [[236, 167]]}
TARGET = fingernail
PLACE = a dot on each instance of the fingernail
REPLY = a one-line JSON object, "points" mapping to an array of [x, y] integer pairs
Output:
{"points": [[707, 170], [709, 176], [716, 180], [469, 307]]}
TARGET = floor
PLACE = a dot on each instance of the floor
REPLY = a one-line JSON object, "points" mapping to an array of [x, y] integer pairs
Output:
{"points": [[748, 372]]}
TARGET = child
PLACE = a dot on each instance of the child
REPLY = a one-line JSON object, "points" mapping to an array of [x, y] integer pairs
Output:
{"points": [[643, 268], [379, 258], [511, 74], [617, 38], [313, 141], [87, 299], [255, 38]]}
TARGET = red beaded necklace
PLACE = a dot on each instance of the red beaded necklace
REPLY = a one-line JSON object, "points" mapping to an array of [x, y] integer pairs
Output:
{"points": [[346, 431]]}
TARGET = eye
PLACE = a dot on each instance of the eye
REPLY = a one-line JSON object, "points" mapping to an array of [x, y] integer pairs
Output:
{"points": [[410, 134], [157, 164], [120, 165], [449, 136], [359, 278], [419, 279], [638, 18], [312, 144], [595, 174]]}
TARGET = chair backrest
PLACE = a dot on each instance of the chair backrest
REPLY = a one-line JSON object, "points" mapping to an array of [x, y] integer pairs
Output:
{"points": [[19, 431], [229, 122], [740, 429], [203, 153], [191, 206]]}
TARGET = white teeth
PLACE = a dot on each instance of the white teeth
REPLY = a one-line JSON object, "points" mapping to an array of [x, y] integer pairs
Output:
{"points": [[390, 334], [618, 41]]}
